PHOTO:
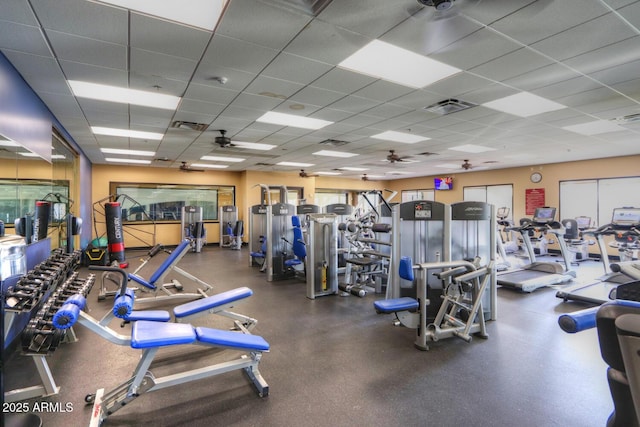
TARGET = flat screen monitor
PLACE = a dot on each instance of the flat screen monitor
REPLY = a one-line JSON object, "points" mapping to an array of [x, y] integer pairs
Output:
{"points": [[626, 217], [583, 222], [443, 183], [544, 215]]}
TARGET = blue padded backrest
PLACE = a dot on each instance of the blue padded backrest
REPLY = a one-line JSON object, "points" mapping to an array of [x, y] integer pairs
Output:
{"points": [[177, 252], [229, 230], [295, 221], [406, 268], [298, 245]]}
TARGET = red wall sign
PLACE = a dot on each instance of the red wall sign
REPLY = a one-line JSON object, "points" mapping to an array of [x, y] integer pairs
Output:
{"points": [[534, 198]]}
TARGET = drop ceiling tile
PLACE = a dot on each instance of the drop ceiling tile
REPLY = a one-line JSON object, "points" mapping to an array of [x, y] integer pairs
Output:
{"points": [[382, 90], [550, 17], [18, 12], [567, 88], [277, 88], [150, 119], [482, 46], [315, 96], [43, 73], [378, 17], [207, 74], [389, 110], [354, 104], [610, 56], [238, 54], [542, 77], [511, 65], [343, 81], [88, 51], [169, 67], [615, 75], [458, 85], [156, 83], [326, 43], [92, 73], [83, 18], [22, 38], [258, 22], [295, 68], [166, 37], [579, 40], [331, 115], [200, 107], [212, 94], [631, 13]]}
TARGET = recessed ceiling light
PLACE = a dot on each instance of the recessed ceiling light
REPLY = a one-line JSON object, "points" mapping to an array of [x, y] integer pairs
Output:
{"points": [[137, 161], [407, 138], [123, 95], [253, 145], [471, 148], [28, 154], [126, 133], [304, 165], [198, 13], [292, 120], [388, 62], [328, 173], [594, 128], [222, 159], [524, 104], [353, 169], [58, 156], [206, 165], [127, 152], [330, 153]]}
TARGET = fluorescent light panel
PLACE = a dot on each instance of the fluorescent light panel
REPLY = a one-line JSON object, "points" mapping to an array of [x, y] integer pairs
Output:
{"points": [[206, 165], [292, 120], [328, 173], [197, 13], [594, 128], [524, 104], [123, 95], [136, 161], [253, 145], [404, 67], [471, 148], [222, 159], [126, 133], [8, 143], [407, 138], [330, 153], [353, 169], [28, 154], [127, 152], [304, 165]]}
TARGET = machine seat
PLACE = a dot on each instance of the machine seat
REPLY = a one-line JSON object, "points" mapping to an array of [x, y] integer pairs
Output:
{"points": [[147, 334], [230, 339], [394, 305]]}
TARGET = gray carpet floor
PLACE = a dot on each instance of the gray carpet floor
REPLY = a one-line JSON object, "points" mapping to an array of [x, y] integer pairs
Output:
{"points": [[335, 362]]}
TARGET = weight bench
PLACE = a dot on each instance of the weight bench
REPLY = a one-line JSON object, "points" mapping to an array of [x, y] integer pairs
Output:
{"points": [[150, 337], [219, 304], [157, 280]]}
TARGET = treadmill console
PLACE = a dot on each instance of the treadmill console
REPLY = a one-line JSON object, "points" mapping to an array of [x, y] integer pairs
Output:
{"points": [[625, 217], [422, 210], [544, 215]]}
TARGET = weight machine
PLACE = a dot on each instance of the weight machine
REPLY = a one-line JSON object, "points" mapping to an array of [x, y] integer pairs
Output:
{"points": [[192, 227]]}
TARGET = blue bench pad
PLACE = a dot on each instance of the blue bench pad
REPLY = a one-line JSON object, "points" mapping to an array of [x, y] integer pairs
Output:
{"points": [[151, 315], [141, 281], [231, 339], [146, 334], [211, 302], [258, 254], [396, 304], [292, 262]]}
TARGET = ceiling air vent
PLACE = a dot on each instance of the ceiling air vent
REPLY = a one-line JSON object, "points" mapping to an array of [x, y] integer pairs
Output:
{"points": [[264, 164], [333, 142], [631, 118], [449, 106], [179, 124]]}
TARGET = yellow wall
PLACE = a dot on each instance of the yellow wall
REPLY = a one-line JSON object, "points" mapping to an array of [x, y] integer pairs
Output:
{"points": [[247, 194]]}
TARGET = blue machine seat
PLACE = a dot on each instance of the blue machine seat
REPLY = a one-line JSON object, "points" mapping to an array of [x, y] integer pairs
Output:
{"points": [[211, 302], [395, 305], [147, 334], [231, 339], [151, 315]]}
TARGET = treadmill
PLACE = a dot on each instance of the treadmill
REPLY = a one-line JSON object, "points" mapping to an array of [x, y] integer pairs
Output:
{"points": [[538, 274], [625, 227]]}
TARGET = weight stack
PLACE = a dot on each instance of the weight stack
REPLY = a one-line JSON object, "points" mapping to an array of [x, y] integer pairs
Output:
{"points": [[115, 236], [41, 220]]}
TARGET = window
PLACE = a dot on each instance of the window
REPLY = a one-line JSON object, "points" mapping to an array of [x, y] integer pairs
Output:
{"points": [[164, 202]]}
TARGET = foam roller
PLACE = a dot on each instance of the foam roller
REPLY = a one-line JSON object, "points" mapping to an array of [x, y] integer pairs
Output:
{"points": [[78, 300], [66, 316], [578, 321], [123, 305]]}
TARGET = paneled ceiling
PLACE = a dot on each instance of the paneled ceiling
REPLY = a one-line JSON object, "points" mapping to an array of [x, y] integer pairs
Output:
{"points": [[284, 56]]}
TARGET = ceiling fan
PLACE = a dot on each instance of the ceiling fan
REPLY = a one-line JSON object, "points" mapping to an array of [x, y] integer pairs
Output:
{"points": [[393, 157], [304, 174], [186, 167], [222, 140], [466, 165]]}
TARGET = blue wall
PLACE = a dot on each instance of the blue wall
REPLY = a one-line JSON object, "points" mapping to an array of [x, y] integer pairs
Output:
{"points": [[25, 119]]}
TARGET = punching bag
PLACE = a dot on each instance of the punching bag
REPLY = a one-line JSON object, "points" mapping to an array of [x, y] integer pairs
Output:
{"points": [[41, 220], [115, 237]]}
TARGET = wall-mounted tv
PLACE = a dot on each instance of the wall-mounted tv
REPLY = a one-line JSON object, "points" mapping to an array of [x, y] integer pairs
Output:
{"points": [[443, 183]]}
